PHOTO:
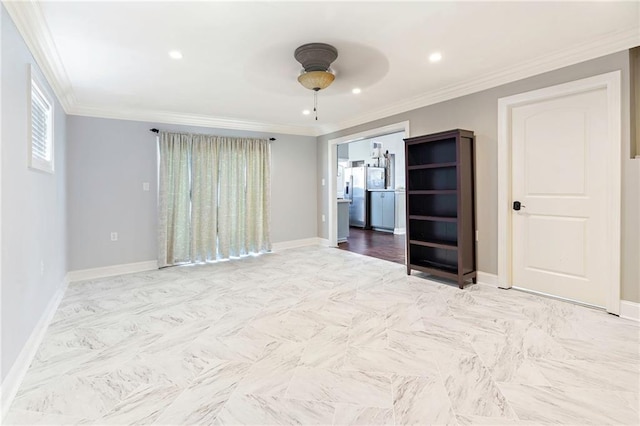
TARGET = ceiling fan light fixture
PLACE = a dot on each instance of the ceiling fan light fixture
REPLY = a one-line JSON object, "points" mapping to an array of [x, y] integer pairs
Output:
{"points": [[316, 80], [316, 58]]}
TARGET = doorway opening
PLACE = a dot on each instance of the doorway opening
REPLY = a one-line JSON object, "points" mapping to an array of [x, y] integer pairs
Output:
{"points": [[367, 192]]}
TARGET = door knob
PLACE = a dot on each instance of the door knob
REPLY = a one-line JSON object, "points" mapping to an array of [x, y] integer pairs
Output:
{"points": [[517, 205]]}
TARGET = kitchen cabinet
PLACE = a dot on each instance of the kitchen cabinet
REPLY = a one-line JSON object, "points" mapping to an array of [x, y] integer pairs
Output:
{"points": [[400, 226], [383, 210], [343, 220], [441, 205]]}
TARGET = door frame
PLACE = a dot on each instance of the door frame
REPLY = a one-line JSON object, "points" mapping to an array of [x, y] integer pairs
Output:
{"points": [[332, 161], [612, 83]]}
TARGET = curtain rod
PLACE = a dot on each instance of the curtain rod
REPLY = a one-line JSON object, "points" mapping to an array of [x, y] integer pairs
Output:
{"points": [[154, 130]]}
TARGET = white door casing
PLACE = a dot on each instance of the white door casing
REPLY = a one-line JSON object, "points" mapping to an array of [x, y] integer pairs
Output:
{"points": [[559, 154]]}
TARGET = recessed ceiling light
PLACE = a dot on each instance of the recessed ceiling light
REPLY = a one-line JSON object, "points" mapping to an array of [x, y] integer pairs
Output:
{"points": [[175, 54], [306, 112], [435, 56], [356, 91]]}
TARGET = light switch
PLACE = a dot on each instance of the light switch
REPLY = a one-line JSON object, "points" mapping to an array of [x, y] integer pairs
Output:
{"points": [[145, 186], [323, 182]]}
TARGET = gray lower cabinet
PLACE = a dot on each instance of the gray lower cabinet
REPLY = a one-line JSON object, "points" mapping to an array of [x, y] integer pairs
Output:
{"points": [[343, 221], [383, 210]]}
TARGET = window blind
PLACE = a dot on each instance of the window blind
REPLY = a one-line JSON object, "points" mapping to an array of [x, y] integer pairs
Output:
{"points": [[40, 126]]}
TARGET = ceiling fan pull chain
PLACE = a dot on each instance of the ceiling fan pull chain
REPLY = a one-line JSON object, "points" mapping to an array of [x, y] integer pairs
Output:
{"points": [[315, 103]]}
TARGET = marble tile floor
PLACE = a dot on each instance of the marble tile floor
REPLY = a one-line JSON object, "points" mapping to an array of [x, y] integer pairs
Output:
{"points": [[324, 336]]}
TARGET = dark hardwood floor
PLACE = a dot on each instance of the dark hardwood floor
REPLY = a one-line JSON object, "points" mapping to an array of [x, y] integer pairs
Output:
{"points": [[381, 245]]}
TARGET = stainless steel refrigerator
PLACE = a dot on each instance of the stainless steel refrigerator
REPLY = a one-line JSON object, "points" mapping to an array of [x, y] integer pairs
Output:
{"points": [[358, 181]]}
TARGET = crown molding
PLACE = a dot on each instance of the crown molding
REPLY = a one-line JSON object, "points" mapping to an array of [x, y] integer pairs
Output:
{"points": [[612, 43], [28, 18], [169, 117]]}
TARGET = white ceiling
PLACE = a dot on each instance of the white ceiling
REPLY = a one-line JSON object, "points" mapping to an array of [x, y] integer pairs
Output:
{"points": [[111, 58]]}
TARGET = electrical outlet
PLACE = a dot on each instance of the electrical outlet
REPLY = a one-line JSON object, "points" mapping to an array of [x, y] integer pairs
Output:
{"points": [[145, 186], [323, 218], [114, 236]]}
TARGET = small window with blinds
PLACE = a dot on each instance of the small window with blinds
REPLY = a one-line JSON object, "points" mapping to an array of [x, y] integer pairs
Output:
{"points": [[40, 125]]}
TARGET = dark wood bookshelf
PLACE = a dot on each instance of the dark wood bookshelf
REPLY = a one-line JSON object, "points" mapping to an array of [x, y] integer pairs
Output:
{"points": [[432, 166], [440, 205], [433, 191], [440, 218], [436, 244]]}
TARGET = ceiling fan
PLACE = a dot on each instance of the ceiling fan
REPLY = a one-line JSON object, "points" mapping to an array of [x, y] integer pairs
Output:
{"points": [[316, 59]]}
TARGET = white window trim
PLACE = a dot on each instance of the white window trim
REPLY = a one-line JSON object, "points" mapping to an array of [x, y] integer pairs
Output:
{"points": [[37, 80]]}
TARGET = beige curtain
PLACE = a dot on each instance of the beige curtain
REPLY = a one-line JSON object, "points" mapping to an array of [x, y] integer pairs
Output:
{"points": [[258, 187], [232, 203], [173, 199], [244, 196], [226, 189], [204, 199]]}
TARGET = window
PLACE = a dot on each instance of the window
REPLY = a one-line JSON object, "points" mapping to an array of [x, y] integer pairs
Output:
{"points": [[40, 125]]}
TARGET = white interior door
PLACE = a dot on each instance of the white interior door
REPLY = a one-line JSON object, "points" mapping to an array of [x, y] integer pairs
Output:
{"points": [[559, 150]]}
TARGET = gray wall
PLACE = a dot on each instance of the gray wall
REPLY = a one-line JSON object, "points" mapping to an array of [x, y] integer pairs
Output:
{"points": [[108, 160], [33, 205], [478, 112]]}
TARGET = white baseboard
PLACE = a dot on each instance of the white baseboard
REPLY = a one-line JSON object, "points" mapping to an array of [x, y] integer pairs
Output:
{"points": [[285, 245], [487, 279], [110, 271], [324, 242], [630, 310], [16, 374], [399, 231]]}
